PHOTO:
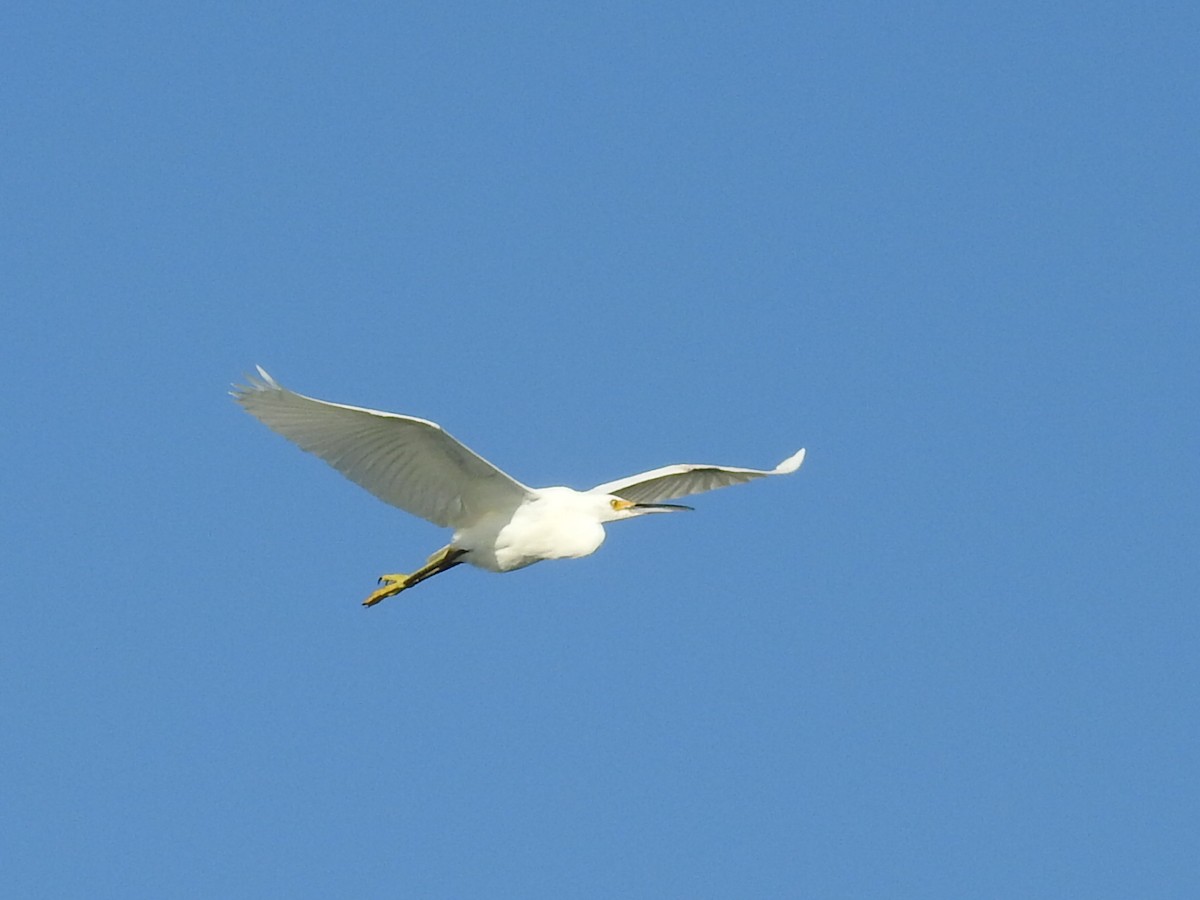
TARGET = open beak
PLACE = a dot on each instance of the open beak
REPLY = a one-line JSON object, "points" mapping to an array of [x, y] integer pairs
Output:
{"points": [[660, 507]]}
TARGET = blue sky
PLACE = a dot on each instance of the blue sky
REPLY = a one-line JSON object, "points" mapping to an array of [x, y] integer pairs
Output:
{"points": [[950, 250]]}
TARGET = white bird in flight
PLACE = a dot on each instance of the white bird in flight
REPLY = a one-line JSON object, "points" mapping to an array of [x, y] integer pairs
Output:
{"points": [[499, 524]]}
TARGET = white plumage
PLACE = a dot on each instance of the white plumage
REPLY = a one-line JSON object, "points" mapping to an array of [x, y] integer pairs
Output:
{"points": [[500, 524]]}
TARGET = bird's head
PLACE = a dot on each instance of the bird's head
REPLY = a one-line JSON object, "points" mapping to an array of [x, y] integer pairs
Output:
{"points": [[620, 508]]}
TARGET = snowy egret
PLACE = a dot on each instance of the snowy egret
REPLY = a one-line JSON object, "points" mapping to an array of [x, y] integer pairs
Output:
{"points": [[500, 524]]}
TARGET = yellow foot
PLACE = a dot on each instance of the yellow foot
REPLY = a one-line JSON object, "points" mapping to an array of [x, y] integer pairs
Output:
{"points": [[392, 585], [446, 558]]}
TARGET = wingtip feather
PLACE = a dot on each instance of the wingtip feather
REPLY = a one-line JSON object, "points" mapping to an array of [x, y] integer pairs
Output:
{"points": [[264, 382], [791, 464]]}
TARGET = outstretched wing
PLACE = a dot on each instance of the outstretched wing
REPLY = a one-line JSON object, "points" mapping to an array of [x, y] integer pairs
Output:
{"points": [[407, 462], [669, 482]]}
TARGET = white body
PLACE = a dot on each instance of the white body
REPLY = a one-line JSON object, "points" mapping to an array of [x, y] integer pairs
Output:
{"points": [[554, 523]]}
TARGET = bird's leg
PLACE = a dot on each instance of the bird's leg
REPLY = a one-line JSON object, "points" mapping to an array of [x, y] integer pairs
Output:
{"points": [[446, 558]]}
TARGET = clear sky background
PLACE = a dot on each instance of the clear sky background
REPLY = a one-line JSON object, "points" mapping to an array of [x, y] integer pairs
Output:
{"points": [[950, 249]]}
